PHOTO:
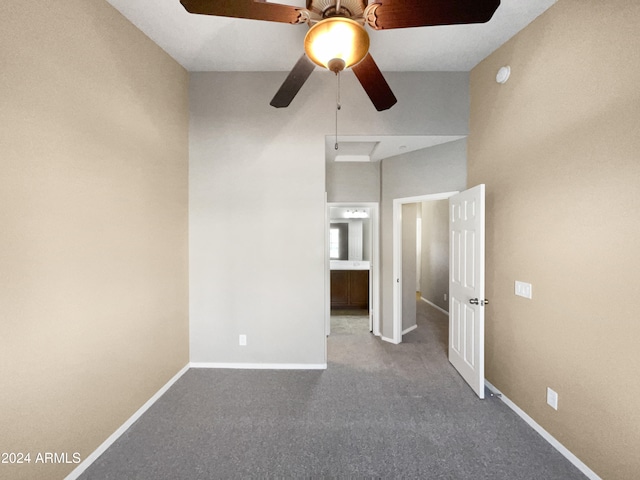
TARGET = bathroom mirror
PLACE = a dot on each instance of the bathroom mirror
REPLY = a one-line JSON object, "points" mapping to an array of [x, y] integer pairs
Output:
{"points": [[349, 234]]}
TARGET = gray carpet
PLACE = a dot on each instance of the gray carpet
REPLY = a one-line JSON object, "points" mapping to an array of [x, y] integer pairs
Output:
{"points": [[378, 411]]}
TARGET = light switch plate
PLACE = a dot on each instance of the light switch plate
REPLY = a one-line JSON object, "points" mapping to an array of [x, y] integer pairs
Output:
{"points": [[552, 398], [523, 289], [242, 341]]}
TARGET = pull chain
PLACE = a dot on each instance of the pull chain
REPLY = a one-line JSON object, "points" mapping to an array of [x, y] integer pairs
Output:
{"points": [[338, 106]]}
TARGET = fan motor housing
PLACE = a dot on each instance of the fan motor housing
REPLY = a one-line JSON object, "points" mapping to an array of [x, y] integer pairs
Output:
{"points": [[348, 8]]}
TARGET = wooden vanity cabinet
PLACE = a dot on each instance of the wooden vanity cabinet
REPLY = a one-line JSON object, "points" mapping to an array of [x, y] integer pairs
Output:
{"points": [[350, 289]]}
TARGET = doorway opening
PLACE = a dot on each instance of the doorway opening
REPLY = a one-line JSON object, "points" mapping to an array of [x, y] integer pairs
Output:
{"points": [[433, 275], [352, 266]]}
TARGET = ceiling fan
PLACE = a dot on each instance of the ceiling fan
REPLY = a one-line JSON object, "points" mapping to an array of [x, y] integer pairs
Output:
{"points": [[337, 38]]}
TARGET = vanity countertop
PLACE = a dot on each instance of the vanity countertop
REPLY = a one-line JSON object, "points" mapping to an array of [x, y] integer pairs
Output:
{"points": [[350, 265]]}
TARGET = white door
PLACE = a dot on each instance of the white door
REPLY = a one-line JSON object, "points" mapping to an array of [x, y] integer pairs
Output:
{"points": [[466, 286]]}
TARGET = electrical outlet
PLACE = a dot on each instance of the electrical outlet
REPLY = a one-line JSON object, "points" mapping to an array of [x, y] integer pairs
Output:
{"points": [[445, 297], [242, 341], [552, 398]]}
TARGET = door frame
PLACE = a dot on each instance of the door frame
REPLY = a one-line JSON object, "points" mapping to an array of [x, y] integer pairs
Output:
{"points": [[374, 266], [397, 255]]}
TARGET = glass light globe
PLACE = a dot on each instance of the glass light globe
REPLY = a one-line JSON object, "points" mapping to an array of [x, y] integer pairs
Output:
{"points": [[335, 40]]}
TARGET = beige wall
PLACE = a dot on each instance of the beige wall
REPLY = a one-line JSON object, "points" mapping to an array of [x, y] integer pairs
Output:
{"points": [[559, 150], [434, 277], [93, 215]]}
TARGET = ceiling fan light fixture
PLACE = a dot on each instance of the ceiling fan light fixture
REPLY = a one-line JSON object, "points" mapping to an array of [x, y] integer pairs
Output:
{"points": [[336, 43]]}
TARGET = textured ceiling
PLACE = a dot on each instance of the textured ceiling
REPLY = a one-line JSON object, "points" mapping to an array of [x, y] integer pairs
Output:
{"points": [[206, 43]]}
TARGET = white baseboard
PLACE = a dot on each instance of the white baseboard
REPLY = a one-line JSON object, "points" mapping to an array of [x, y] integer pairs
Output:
{"points": [[544, 434], [262, 366], [93, 456], [387, 339], [435, 306], [404, 332]]}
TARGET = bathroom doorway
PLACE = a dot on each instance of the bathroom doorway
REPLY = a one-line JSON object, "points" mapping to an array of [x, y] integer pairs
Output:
{"points": [[352, 262]]}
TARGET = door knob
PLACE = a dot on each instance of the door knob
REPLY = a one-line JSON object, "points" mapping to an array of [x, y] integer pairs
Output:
{"points": [[475, 301]]}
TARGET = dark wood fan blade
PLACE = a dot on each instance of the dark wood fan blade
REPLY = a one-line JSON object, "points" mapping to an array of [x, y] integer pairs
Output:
{"points": [[374, 84], [293, 83], [419, 13], [253, 9]]}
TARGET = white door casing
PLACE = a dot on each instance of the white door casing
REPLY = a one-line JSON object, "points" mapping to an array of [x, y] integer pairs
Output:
{"points": [[466, 285]]}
